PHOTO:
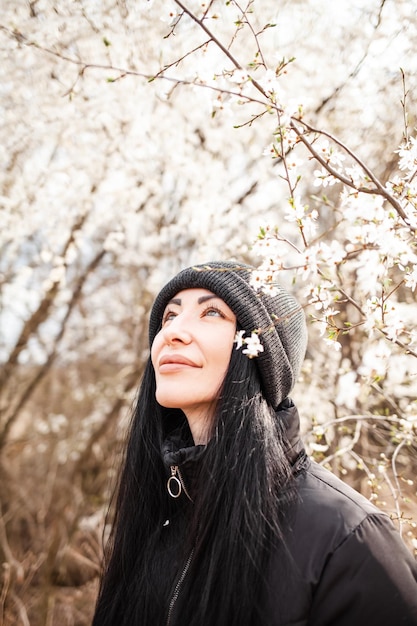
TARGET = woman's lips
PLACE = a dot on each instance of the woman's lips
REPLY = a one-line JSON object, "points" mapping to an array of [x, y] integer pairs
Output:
{"points": [[174, 362]]}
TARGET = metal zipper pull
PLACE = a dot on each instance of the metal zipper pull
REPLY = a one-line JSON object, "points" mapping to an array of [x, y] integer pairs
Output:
{"points": [[174, 484]]}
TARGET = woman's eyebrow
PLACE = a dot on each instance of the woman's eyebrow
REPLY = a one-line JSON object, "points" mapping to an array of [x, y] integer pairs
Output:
{"points": [[200, 300], [208, 297]]}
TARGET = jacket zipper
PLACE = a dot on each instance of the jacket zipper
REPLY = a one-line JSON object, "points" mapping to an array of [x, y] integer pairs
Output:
{"points": [[175, 484], [178, 586]]}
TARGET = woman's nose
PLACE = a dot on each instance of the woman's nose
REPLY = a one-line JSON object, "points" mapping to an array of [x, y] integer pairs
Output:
{"points": [[177, 330]]}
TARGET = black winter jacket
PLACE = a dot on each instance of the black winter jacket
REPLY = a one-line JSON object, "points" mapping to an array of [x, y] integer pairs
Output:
{"points": [[350, 565]]}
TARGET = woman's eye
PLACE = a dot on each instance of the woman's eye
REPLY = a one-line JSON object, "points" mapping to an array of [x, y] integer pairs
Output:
{"points": [[213, 312], [168, 316]]}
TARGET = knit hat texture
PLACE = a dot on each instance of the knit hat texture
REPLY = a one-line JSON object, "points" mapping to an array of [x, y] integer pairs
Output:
{"points": [[279, 320]]}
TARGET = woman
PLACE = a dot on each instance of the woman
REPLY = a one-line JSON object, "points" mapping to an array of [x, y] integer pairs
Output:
{"points": [[220, 517]]}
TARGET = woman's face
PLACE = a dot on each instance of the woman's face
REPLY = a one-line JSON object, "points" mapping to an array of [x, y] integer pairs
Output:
{"points": [[191, 354]]}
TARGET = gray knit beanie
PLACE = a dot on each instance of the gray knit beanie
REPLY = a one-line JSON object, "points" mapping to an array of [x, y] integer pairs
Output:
{"points": [[279, 319]]}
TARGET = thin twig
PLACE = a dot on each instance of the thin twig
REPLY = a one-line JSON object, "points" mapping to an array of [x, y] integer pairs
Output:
{"points": [[379, 188], [219, 44], [397, 482]]}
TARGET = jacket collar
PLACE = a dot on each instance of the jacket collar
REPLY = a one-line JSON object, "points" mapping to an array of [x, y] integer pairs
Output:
{"points": [[287, 412], [178, 449]]}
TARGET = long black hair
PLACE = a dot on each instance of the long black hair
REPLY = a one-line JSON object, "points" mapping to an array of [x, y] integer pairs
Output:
{"points": [[243, 501]]}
